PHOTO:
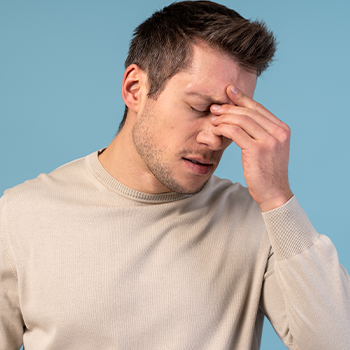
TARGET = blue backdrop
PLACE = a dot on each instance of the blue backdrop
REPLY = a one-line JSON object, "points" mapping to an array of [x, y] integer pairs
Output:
{"points": [[61, 65]]}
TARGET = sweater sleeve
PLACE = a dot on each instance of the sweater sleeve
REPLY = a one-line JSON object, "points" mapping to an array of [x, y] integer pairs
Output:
{"points": [[306, 292], [11, 324]]}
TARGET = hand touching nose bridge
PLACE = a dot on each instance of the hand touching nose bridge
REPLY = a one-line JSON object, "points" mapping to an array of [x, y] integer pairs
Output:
{"points": [[264, 142]]}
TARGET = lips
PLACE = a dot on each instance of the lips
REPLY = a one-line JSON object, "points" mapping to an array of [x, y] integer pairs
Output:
{"points": [[200, 167]]}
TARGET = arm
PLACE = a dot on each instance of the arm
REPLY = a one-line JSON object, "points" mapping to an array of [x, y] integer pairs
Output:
{"points": [[306, 293], [11, 323]]}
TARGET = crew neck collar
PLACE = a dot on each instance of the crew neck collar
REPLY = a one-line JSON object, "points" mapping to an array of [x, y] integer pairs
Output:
{"points": [[109, 181]]}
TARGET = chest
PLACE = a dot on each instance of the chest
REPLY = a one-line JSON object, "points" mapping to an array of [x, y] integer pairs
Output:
{"points": [[143, 274]]}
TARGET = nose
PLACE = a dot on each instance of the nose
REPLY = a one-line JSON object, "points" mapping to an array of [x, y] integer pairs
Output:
{"points": [[206, 137]]}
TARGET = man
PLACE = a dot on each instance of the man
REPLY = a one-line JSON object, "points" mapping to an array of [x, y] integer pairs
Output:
{"points": [[138, 246]]}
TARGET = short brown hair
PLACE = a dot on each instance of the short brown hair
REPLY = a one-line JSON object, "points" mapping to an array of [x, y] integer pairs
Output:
{"points": [[161, 45]]}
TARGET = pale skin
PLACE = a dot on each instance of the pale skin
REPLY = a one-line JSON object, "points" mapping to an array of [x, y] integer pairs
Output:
{"points": [[198, 114]]}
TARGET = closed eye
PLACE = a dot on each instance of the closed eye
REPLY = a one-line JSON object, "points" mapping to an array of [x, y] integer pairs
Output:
{"points": [[200, 112]]}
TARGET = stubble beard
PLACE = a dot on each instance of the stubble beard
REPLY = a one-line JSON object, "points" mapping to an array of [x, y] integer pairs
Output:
{"points": [[155, 157]]}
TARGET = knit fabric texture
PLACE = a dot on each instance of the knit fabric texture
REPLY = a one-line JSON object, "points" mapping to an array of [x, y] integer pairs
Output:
{"points": [[88, 263]]}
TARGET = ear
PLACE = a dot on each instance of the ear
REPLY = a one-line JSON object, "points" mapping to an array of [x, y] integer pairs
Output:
{"points": [[133, 85]]}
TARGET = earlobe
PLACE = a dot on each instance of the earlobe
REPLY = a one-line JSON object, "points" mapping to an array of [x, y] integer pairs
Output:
{"points": [[132, 83]]}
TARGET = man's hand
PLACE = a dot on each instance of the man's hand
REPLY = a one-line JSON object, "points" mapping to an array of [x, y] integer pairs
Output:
{"points": [[264, 141]]}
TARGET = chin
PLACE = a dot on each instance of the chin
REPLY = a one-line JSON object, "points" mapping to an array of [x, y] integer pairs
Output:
{"points": [[181, 189]]}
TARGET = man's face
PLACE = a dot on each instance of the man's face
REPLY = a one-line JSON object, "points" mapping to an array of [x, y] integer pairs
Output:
{"points": [[172, 134]]}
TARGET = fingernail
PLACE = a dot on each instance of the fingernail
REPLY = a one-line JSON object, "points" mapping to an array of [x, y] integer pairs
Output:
{"points": [[215, 107], [213, 119], [234, 90]]}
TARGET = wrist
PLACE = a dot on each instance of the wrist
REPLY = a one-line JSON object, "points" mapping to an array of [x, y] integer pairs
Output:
{"points": [[275, 202]]}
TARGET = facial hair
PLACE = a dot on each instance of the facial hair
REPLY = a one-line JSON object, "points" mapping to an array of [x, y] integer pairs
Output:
{"points": [[155, 157]]}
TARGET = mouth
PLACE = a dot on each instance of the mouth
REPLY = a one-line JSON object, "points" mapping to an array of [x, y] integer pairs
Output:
{"points": [[200, 167]]}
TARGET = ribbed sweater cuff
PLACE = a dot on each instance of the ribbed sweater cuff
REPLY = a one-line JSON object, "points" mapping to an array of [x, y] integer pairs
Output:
{"points": [[289, 229]]}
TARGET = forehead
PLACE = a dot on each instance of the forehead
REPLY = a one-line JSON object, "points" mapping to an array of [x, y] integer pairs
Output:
{"points": [[210, 73]]}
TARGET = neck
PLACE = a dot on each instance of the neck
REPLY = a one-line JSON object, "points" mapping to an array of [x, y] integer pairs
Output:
{"points": [[121, 160]]}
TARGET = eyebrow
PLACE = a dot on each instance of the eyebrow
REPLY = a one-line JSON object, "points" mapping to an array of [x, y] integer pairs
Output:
{"points": [[207, 98]]}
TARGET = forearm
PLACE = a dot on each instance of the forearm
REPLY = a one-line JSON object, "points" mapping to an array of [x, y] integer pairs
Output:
{"points": [[307, 285]]}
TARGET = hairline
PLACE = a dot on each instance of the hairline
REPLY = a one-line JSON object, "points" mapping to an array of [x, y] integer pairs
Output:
{"points": [[215, 49]]}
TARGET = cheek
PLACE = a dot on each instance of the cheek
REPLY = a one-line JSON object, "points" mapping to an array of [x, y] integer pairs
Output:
{"points": [[181, 127], [177, 127]]}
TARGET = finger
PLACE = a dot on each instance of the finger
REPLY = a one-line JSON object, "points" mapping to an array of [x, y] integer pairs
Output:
{"points": [[254, 123], [240, 99], [234, 133], [255, 130]]}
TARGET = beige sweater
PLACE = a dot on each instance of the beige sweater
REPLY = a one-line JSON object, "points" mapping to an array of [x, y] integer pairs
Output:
{"points": [[87, 263]]}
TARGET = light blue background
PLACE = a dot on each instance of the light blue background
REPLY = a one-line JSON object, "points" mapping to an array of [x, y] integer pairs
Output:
{"points": [[61, 65]]}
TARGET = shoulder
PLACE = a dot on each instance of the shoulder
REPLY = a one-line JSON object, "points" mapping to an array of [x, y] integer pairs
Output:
{"points": [[61, 180]]}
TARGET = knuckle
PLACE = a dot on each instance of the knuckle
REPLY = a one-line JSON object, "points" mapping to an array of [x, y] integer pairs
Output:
{"points": [[284, 135], [272, 143], [257, 106], [281, 133], [235, 130], [225, 108], [286, 128], [244, 119]]}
